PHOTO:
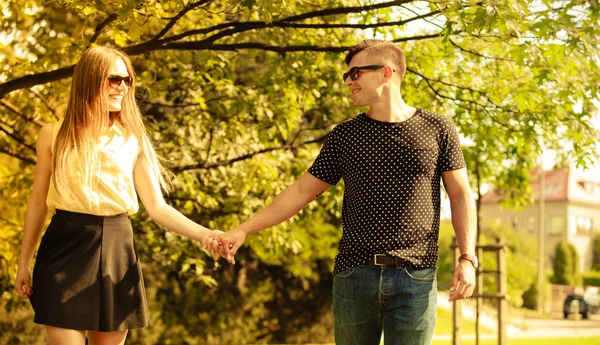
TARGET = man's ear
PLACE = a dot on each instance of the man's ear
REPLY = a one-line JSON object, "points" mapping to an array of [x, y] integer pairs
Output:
{"points": [[388, 72]]}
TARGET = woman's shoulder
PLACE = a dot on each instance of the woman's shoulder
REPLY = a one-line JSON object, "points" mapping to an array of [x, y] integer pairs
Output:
{"points": [[47, 130], [45, 136]]}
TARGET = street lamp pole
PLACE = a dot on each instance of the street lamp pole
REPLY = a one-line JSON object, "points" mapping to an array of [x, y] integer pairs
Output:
{"points": [[541, 236]]}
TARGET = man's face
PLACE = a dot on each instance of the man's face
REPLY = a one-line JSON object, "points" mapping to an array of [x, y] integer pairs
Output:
{"points": [[366, 89]]}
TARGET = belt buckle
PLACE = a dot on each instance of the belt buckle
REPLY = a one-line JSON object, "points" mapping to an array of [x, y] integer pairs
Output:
{"points": [[375, 259]]}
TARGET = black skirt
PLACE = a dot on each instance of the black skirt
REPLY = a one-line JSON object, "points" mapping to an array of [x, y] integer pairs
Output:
{"points": [[87, 275]]}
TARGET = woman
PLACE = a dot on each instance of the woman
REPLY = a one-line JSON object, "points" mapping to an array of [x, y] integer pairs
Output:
{"points": [[89, 167]]}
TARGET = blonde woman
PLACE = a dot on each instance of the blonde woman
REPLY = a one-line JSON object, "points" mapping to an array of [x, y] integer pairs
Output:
{"points": [[90, 165]]}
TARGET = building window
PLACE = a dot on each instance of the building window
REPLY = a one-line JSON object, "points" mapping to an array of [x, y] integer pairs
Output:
{"points": [[584, 225], [514, 222], [556, 226], [587, 186], [551, 190], [531, 224]]}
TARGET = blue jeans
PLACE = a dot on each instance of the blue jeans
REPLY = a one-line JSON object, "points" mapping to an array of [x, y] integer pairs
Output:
{"points": [[401, 301]]}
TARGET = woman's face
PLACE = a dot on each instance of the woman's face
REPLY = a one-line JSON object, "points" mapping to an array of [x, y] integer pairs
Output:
{"points": [[117, 85]]}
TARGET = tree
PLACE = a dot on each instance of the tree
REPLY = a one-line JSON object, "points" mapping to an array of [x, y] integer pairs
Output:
{"points": [[239, 95], [565, 265], [530, 297], [596, 252]]}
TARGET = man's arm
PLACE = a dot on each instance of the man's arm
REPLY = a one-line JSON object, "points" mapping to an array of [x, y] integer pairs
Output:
{"points": [[287, 204], [462, 205]]}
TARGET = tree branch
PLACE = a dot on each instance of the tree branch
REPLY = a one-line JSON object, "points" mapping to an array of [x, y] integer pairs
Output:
{"points": [[45, 101], [111, 17], [418, 38], [203, 31], [237, 27], [30, 80], [173, 21], [345, 10], [481, 106], [199, 45], [482, 93], [287, 23], [158, 44], [179, 105], [21, 141], [203, 45], [14, 109], [209, 146], [206, 165], [165, 105], [477, 54], [14, 155]]}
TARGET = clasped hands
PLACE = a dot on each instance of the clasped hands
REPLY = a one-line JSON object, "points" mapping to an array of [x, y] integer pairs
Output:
{"points": [[225, 244]]}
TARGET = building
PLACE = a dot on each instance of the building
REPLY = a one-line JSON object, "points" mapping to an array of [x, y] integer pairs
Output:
{"points": [[572, 212]]}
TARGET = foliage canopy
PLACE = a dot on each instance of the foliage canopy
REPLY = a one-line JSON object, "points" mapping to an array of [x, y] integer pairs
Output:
{"points": [[238, 96]]}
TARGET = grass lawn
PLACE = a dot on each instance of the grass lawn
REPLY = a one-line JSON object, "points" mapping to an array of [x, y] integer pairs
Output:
{"points": [[534, 341], [444, 327], [443, 324]]}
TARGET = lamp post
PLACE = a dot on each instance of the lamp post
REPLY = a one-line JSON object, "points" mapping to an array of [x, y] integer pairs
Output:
{"points": [[541, 236]]}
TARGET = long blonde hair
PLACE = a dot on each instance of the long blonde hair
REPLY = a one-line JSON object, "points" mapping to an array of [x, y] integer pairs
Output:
{"points": [[88, 116]]}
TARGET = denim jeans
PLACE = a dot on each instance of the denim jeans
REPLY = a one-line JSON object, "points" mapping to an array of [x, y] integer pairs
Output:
{"points": [[400, 301]]}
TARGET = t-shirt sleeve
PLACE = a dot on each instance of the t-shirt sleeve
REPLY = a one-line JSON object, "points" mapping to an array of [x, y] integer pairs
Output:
{"points": [[451, 157], [327, 165]]}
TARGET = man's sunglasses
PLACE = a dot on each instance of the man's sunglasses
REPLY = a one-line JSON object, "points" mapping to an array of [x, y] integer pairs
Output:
{"points": [[353, 73], [115, 81]]}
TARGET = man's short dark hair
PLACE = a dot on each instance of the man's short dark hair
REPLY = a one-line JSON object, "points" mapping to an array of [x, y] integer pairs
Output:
{"points": [[388, 51]]}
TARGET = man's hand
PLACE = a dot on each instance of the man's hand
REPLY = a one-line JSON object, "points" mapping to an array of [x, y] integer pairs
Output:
{"points": [[463, 281]]}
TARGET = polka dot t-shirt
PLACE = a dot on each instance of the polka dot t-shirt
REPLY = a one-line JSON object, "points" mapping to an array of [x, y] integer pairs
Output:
{"points": [[391, 173]]}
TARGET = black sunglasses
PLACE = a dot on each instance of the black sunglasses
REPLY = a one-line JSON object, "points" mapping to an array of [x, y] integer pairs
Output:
{"points": [[115, 81], [353, 73]]}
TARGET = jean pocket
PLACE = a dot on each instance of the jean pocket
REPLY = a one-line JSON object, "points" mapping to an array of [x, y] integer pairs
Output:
{"points": [[345, 274], [420, 274]]}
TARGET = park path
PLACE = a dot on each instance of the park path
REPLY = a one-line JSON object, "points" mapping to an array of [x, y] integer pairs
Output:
{"points": [[520, 326]]}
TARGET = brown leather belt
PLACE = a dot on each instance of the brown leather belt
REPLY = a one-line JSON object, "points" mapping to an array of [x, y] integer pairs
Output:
{"points": [[387, 260]]}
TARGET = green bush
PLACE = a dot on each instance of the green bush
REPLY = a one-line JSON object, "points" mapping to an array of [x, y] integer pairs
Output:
{"points": [[591, 278], [530, 297], [566, 265], [17, 327], [596, 252]]}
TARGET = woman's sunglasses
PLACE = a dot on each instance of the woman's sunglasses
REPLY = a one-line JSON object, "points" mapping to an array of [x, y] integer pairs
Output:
{"points": [[353, 73], [115, 81]]}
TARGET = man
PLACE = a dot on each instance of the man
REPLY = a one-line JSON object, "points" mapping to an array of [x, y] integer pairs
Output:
{"points": [[391, 159]]}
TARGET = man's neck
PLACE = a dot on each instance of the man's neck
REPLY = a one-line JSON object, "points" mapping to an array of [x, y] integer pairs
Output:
{"points": [[391, 110]]}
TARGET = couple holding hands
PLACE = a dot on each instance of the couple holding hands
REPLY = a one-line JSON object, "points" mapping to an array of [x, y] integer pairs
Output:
{"points": [[94, 164]]}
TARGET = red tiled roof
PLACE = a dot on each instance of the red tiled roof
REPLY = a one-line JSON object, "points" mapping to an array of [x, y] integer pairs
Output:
{"points": [[560, 185]]}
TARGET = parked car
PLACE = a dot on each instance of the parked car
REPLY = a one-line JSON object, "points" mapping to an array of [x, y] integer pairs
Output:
{"points": [[593, 301], [584, 307]]}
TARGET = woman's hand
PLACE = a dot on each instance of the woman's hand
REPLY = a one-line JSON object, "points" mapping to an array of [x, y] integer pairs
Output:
{"points": [[23, 282], [227, 244]]}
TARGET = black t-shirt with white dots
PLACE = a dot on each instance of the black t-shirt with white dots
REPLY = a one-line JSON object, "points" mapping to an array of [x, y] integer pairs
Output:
{"points": [[391, 173]]}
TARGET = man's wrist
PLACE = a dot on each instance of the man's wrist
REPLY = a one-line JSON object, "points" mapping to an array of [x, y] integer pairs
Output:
{"points": [[244, 230], [247, 227], [470, 258]]}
